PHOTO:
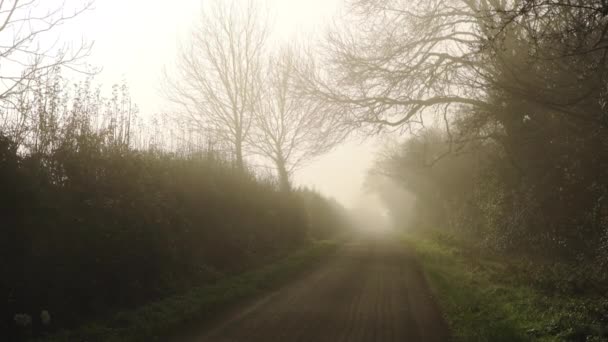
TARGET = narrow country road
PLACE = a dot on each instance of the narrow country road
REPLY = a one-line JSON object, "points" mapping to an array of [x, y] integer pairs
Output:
{"points": [[371, 290]]}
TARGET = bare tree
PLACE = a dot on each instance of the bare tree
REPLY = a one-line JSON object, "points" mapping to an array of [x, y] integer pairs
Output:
{"points": [[215, 84], [399, 59], [290, 129], [394, 60], [29, 52], [584, 18]]}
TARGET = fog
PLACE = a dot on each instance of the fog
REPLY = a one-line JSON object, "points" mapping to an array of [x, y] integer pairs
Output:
{"points": [[287, 170], [134, 40]]}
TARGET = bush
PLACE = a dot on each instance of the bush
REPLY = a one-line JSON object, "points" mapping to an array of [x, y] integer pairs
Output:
{"points": [[92, 225]]}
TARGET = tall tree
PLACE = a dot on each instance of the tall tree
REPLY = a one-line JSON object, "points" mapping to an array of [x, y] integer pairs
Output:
{"points": [[529, 75], [290, 129], [215, 81], [397, 59]]}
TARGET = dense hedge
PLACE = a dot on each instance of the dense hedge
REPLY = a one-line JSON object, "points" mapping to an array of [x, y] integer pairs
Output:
{"points": [[89, 228]]}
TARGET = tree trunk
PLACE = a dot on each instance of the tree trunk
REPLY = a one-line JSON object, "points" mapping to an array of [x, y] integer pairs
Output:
{"points": [[238, 151], [283, 176]]}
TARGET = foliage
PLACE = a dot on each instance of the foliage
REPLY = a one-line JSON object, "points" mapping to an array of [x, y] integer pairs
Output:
{"points": [[519, 87], [92, 225], [479, 193], [177, 313], [493, 298], [326, 217]]}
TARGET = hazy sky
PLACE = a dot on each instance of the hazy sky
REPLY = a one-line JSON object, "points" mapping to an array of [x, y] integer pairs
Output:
{"points": [[134, 39]]}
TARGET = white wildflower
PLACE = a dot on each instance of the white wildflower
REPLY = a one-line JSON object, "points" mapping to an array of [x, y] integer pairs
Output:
{"points": [[23, 320], [527, 118], [45, 317]]}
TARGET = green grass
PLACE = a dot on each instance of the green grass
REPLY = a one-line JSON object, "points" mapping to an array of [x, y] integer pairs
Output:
{"points": [[158, 320], [490, 300]]}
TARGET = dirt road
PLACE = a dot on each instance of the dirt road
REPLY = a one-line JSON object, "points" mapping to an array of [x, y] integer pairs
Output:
{"points": [[371, 290]]}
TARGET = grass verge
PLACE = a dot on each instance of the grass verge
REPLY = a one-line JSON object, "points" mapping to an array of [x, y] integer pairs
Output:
{"points": [[486, 300], [156, 321]]}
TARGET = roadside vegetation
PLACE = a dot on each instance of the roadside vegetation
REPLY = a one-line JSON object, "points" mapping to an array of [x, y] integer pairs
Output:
{"points": [[505, 155], [500, 112], [189, 311], [141, 221], [495, 298], [94, 224]]}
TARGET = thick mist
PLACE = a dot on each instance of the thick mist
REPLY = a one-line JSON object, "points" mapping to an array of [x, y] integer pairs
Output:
{"points": [[135, 33], [323, 170]]}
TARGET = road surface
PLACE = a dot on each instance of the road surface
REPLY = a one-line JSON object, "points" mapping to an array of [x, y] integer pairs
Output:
{"points": [[371, 290]]}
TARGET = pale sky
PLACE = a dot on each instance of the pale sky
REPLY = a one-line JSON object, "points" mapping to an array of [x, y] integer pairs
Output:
{"points": [[135, 39]]}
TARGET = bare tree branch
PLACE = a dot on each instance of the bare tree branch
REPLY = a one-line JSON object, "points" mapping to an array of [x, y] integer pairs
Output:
{"points": [[216, 72], [290, 129], [26, 56]]}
